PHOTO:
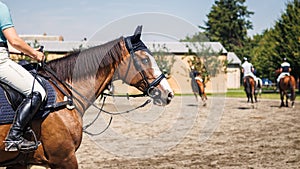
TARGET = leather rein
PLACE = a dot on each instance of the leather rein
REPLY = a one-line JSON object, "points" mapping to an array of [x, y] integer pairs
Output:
{"points": [[147, 92]]}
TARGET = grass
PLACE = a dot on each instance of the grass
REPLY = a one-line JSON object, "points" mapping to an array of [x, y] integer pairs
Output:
{"points": [[266, 94]]}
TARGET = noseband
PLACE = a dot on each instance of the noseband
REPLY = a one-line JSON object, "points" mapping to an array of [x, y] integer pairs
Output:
{"points": [[149, 90]]}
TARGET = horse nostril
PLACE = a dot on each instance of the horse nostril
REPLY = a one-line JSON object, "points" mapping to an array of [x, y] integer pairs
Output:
{"points": [[170, 96]]}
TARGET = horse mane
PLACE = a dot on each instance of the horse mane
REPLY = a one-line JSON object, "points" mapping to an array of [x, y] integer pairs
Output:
{"points": [[86, 63]]}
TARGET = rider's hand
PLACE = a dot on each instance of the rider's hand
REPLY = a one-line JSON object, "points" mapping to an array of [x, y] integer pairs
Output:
{"points": [[39, 56]]}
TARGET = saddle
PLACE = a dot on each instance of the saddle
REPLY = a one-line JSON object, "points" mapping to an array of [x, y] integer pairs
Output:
{"points": [[10, 99]]}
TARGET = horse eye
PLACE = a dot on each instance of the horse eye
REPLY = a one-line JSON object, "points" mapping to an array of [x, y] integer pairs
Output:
{"points": [[145, 61]]}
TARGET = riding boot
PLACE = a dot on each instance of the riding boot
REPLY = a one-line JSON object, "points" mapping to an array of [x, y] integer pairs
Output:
{"points": [[15, 140]]}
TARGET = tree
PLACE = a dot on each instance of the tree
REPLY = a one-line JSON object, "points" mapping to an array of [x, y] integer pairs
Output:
{"points": [[164, 58], [228, 23], [281, 41], [201, 57]]}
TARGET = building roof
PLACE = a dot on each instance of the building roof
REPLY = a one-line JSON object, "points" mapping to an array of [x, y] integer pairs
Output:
{"points": [[185, 47], [233, 59], [172, 47], [43, 37]]}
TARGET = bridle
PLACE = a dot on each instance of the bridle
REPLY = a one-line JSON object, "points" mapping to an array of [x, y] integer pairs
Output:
{"points": [[150, 87]]}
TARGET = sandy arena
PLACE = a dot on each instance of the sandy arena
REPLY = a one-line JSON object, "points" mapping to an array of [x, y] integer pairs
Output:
{"points": [[227, 133]]}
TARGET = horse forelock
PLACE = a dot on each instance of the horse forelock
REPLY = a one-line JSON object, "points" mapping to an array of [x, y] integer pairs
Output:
{"points": [[88, 62]]}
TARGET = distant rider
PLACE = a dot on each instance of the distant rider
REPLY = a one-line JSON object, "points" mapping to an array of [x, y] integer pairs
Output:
{"points": [[248, 69], [284, 70]]}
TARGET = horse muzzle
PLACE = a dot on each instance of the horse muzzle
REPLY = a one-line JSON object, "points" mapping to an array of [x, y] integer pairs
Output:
{"points": [[160, 98]]}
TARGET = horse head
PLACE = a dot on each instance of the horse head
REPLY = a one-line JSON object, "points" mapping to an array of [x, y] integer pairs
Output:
{"points": [[140, 70]]}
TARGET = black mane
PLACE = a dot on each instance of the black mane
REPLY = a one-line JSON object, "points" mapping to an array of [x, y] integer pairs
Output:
{"points": [[87, 62]]}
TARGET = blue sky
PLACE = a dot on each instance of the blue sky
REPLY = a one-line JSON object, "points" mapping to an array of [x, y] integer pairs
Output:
{"points": [[77, 19]]}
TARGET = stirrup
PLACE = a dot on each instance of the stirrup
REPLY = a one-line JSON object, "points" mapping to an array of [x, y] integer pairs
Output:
{"points": [[36, 142], [17, 145], [12, 145]]}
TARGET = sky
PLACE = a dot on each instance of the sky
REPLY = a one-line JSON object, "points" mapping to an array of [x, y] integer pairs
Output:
{"points": [[104, 20]]}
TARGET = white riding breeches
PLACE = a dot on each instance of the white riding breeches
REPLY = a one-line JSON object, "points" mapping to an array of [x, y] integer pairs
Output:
{"points": [[15, 76], [282, 75], [251, 75]]}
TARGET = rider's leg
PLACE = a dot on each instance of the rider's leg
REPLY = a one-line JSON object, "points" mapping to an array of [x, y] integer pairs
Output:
{"points": [[21, 80], [25, 112], [278, 80]]}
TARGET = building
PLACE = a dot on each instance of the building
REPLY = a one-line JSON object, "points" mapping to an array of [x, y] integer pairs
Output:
{"points": [[233, 71], [228, 75]]}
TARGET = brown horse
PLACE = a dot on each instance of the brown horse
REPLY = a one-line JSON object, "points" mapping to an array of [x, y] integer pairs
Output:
{"points": [[249, 86], [287, 83], [201, 90], [198, 86], [87, 72]]}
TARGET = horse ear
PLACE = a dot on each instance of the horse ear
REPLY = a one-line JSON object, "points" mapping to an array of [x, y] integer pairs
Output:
{"points": [[138, 32]]}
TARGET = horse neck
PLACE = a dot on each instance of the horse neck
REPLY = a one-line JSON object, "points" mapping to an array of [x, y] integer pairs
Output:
{"points": [[89, 81], [86, 91]]}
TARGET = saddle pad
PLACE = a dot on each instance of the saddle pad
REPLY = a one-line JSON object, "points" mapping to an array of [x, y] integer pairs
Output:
{"points": [[7, 113]]}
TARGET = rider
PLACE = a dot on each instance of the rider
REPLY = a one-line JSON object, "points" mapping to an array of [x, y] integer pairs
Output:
{"points": [[284, 70], [247, 69], [21, 80]]}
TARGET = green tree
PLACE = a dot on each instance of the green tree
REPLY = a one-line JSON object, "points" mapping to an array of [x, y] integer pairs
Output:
{"points": [[228, 22], [201, 56], [164, 58], [281, 41], [197, 37]]}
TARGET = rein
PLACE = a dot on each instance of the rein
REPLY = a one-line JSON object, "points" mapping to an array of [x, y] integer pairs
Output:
{"points": [[49, 70]]}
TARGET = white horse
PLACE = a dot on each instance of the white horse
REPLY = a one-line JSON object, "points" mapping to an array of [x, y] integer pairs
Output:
{"points": [[258, 87]]}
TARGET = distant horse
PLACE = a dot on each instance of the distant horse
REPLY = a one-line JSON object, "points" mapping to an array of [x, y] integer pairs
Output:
{"points": [[258, 87], [287, 88], [201, 90], [198, 87], [287, 83], [249, 86], [84, 75]]}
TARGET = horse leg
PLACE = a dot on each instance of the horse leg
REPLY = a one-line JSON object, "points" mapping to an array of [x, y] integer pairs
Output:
{"points": [[286, 100], [293, 97], [195, 94], [66, 163], [248, 97], [255, 97], [251, 95], [293, 100], [281, 98], [203, 97]]}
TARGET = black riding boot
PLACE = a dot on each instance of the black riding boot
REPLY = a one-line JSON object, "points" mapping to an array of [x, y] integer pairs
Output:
{"points": [[25, 112]]}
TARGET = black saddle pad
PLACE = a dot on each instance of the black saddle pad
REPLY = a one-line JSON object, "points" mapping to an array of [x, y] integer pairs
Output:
{"points": [[7, 113]]}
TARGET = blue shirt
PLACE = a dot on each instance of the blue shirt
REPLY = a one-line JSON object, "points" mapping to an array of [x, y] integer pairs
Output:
{"points": [[5, 20]]}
